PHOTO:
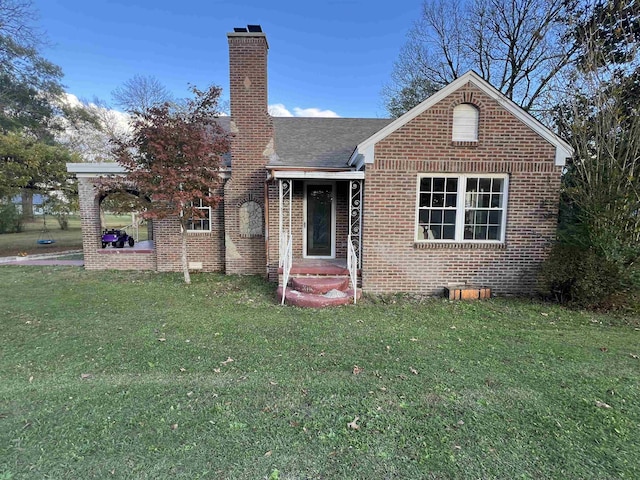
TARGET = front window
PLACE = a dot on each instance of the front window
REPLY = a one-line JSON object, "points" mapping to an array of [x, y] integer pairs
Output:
{"points": [[461, 208], [200, 224]]}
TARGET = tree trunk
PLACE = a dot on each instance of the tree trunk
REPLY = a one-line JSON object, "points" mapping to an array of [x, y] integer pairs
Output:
{"points": [[185, 265], [27, 204]]}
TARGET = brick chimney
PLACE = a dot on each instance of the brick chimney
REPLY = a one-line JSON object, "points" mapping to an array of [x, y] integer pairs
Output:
{"points": [[251, 148]]}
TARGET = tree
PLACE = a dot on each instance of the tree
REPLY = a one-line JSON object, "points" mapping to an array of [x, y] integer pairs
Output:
{"points": [[173, 158], [141, 93], [28, 82], [601, 119], [516, 45], [26, 163], [92, 139]]}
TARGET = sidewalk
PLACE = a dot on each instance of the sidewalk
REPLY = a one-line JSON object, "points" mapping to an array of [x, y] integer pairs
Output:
{"points": [[44, 259]]}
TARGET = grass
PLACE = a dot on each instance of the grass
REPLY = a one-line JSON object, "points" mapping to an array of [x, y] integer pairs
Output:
{"points": [[26, 242], [136, 375]]}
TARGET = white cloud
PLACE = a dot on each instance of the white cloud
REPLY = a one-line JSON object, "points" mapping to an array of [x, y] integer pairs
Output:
{"points": [[314, 112], [279, 110]]}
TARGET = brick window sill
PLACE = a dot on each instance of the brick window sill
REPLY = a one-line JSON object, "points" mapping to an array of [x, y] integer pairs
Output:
{"points": [[124, 251], [458, 246], [457, 143]]}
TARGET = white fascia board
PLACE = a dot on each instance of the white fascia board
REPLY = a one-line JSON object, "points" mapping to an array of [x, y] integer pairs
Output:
{"points": [[563, 149], [86, 170], [317, 175], [98, 168]]}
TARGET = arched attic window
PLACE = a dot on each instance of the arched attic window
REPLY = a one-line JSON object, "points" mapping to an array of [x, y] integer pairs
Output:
{"points": [[465, 123]]}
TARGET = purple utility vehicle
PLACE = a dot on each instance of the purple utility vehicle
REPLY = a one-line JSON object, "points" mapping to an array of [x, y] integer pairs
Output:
{"points": [[116, 238]]}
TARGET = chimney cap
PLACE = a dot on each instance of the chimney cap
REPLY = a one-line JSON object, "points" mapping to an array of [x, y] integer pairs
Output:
{"points": [[248, 29]]}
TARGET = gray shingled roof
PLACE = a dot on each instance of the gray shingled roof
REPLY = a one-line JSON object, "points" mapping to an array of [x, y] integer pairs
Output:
{"points": [[320, 142]]}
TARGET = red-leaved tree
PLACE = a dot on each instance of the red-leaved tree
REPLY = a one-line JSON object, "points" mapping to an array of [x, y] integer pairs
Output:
{"points": [[173, 158]]}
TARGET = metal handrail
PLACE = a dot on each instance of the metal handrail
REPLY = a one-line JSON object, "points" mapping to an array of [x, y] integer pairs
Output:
{"points": [[286, 260], [352, 265]]}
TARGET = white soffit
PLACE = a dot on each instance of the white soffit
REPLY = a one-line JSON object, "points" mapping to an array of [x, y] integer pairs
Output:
{"points": [[317, 175], [364, 152]]}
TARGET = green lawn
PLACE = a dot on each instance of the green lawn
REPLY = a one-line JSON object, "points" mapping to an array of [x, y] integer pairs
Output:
{"points": [[137, 375], [71, 239]]}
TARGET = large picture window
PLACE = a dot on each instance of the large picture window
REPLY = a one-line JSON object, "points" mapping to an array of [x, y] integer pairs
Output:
{"points": [[461, 208], [200, 224]]}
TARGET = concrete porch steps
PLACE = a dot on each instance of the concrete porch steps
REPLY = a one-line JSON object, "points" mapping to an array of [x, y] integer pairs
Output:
{"points": [[315, 300], [318, 285]]}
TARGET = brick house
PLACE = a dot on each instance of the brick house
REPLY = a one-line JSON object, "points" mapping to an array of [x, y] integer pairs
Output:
{"points": [[463, 188]]}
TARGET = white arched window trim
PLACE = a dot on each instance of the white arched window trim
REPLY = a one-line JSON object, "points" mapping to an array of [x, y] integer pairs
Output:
{"points": [[465, 123]]}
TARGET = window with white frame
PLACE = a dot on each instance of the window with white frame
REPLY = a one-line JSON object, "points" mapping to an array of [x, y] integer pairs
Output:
{"points": [[465, 123], [200, 224], [461, 208]]}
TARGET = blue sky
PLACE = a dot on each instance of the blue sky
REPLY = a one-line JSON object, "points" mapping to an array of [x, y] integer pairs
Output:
{"points": [[327, 55]]}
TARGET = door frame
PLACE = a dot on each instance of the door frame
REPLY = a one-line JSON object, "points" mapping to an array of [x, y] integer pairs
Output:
{"points": [[333, 219]]}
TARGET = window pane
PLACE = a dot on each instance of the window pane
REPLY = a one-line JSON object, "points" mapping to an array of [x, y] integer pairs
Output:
{"points": [[485, 185], [452, 185], [493, 233], [436, 231], [423, 216], [451, 200], [425, 200], [425, 184], [449, 232], [480, 233], [468, 233], [481, 217], [438, 184], [438, 199], [436, 216], [472, 184], [498, 183], [496, 200], [494, 217], [450, 216], [484, 199]]}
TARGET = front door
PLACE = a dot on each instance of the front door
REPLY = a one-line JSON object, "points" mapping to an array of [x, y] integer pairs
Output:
{"points": [[320, 220]]}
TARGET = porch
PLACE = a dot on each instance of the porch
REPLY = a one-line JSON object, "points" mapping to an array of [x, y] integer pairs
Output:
{"points": [[319, 236]]}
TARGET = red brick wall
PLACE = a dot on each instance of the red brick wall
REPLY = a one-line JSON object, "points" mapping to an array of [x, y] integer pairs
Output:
{"points": [[251, 148], [205, 247], [393, 262]]}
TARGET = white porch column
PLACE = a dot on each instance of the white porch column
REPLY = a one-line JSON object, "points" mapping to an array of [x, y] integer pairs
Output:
{"points": [[355, 217], [285, 203]]}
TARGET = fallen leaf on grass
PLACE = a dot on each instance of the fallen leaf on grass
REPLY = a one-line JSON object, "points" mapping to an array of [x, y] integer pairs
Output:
{"points": [[268, 454], [183, 369], [413, 370], [174, 426], [162, 339], [228, 360], [189, 394], [354, 425], [31, 379], [216, 370], [602, 404], [633, 355], [85, 376], [357, 370], [413, 339], [603, 349]]}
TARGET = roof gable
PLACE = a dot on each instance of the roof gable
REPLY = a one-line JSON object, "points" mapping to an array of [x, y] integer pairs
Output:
{"points": [[364, 152]]}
